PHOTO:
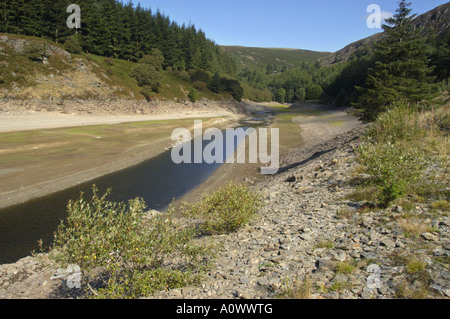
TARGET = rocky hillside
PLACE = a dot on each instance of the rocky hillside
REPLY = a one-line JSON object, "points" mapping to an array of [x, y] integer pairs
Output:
{"points": [[34, 69], [433, 23]]}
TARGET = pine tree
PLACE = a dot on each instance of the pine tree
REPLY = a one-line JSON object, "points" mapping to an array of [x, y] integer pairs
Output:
{"points": [[402, 71]]}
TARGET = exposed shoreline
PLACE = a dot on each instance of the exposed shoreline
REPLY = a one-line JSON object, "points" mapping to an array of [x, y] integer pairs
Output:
{"points": [[33, 187]]}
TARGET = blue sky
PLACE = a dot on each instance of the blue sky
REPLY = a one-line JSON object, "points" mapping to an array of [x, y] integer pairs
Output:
{"points": [[320, 25]]}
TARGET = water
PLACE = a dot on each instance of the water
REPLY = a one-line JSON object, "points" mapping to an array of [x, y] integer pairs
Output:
{"points": [[158, 181]]}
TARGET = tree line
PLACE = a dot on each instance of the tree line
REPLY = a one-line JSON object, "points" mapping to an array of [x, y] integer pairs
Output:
{"points": [[111, 28]]}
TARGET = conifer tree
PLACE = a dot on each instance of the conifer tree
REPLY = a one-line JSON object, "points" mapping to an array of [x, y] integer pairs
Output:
{"points": [[402, 71]]}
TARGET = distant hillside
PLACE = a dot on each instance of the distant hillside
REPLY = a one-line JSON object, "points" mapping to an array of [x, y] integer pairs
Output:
{"points": [[259, 58], [433, 23]]}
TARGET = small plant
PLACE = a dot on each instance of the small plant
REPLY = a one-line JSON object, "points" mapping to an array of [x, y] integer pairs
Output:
{"points": [[72, 45], [415, 266], [441, 205], [192, 96], [36, 51], [344, 268], [226, 210], [324, 244], [296, 289]]}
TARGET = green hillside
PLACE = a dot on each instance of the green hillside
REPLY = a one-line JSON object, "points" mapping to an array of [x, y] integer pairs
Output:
{"points": [[259, 58], [35, 68]]}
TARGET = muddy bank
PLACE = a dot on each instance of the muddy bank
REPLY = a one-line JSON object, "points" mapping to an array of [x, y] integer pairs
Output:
{"points": [[84, 147]]}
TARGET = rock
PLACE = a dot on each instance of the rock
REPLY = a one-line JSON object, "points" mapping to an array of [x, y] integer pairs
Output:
{"points": [[369, 255], [340, 278], [332, 295], [388, 243], [429, 236]]}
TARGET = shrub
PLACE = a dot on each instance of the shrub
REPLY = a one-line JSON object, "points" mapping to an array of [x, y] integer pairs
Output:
{"points": [[314, 92], [200, 86], [226, 210], [155, 59], [72, 45], [401, 154], [192, 96], [134, 253], [147, 75], [199, 75]]}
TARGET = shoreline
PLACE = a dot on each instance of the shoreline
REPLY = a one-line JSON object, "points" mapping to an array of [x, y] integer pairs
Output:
{"points": [[132, 156]]}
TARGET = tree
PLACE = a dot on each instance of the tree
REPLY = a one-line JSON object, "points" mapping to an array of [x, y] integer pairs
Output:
{"points": [[401, 71], [147, 76], [441, 58], [314, 92], [280, 95], [300, 94], [154, 59]]}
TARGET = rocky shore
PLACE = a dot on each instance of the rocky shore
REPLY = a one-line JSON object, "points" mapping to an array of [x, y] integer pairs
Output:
{"points": [[308, 241]]}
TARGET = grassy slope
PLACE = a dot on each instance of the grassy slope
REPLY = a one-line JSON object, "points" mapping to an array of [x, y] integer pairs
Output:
{"points": [[22, 78], [258, 58]]}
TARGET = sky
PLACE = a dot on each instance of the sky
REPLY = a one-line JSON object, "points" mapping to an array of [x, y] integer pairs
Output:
{"points": [[318, 25]]}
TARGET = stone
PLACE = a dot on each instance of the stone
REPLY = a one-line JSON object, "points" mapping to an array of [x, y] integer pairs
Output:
{"points": [[429, 236], [388, 243]]}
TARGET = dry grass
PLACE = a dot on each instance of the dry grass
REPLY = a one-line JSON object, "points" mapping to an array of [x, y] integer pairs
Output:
{"points": [[413, 227]]}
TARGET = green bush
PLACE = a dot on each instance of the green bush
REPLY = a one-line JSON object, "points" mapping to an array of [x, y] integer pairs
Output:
{"points": [[226, 210], [192, 96], [72, 45], [135, 253], [396, 152], [147, 76], [314, 92]]}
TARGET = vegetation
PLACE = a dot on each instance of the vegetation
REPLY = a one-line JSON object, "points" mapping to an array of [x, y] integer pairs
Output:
{"points": [[399, 147], [125, 253], [272, 60], [226, 210], [112, 29], [401, 71]]}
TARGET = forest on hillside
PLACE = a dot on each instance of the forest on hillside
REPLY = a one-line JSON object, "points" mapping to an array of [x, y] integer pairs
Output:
{"points": [[111, 28]]}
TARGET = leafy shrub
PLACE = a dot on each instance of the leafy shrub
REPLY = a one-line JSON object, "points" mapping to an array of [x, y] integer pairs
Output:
{"points": [[134, 252], [155, 59], [397, 152], [226, 210], [147, 75], [314, 92], [192, 96], [199, 76], [200, 86]]}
